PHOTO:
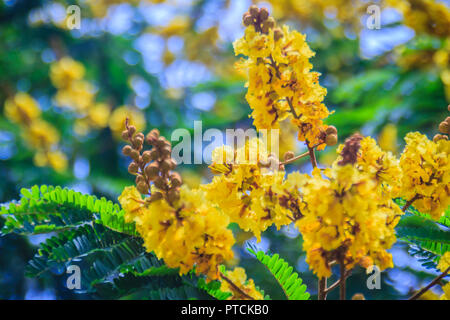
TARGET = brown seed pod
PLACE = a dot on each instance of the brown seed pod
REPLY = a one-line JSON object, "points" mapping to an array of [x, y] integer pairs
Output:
{"points": [[133, 168], [142, 187], [331, 130], [444, 127], [166, 151], [331, 139], [175, 179], [152, 170], [168, 164], [139, 179], [127, 150], [125, 135], [263, 14], [288, 155]]}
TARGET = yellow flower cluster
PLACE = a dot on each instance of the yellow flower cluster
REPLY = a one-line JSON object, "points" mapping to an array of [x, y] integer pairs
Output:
{"points": [[39, 134], [190, 234], [381, 166], [280, 80], [247, 190], [346, 220], [78, 94], [237, 284], [424, 16], [426, 173]]}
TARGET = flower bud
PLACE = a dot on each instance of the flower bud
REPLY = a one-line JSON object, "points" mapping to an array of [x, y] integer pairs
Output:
{"points": [[175, 179], [166, 151], [125, 135], [134, 154], [133, 168], [156, 196], [247, 19], [146, 156], [288, 155], [331, 139], [131, 130], [438, 137], [152, 170], [173, 194], [127, 150], [160, 183], [142, 187], [444, 127], [277, 34], [263, 14], [331, 130], [168, 164], [254, 11], [154, 154]]}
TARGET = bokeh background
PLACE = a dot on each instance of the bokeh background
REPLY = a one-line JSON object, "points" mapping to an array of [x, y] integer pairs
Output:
{"points": [[165, 64]]}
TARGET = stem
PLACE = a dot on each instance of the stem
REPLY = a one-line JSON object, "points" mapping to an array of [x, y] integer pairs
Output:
{"points": [[410, 202], [289, 101], [295, 158], [428, 287], [312, 155], [235, 287], [322, 294], [342, 281]]}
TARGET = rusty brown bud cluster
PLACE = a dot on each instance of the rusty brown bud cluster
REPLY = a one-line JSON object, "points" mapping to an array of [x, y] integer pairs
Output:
{"points": [[262, 21], [444, 129], [152, 166], [349, 153]]}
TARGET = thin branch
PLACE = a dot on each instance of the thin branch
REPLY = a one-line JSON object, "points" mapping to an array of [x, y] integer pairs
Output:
{"points": [[289, 101], [312, 155], [410, 202], [322, 294], [235, 287], [342, 281], [295, 158], [429, 286]]}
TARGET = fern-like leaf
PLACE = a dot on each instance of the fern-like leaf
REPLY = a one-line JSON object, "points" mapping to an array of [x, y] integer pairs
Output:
{"points": [[289, 280]]}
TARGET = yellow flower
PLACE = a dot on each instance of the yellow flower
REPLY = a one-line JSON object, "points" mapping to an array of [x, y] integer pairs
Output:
{"points": [[246, 287], [119, 115], [444, 262], [22, 109], [281, 83], [426, 173], [388, 138], [65, 71], [346, 219], [192, 233]]}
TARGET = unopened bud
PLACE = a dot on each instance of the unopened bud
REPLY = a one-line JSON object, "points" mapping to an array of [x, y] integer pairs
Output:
{"points": [[358, 296], [134, 154], [146, 157], [247, 19], [438, 137], [173, 194], [277, 34], [152, 170], [288, 155], [156, 196], [133, 168], [142, 187], [263, 14], [131, 130], [254, 11], [331, 139], [160, 183], [125, 135], [331, 130], [175, 179], [168, 164], [444, 127], [127, 150]]}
